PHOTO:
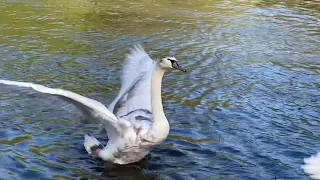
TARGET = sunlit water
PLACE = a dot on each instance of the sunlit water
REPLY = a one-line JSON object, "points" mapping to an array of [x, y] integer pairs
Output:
{"points": [[248, 108]]}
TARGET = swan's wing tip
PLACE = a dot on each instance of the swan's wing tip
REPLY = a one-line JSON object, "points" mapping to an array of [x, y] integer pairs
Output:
{"points": [[137, 46], [312, 166], [136, 50]]}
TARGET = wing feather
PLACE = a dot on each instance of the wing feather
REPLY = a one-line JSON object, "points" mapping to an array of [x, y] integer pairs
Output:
{"points": [[135, 92], [97, 108], [312, 166]]}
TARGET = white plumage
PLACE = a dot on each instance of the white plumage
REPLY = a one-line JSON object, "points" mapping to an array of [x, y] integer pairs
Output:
{"points": [[312, 166], [135, 121]]}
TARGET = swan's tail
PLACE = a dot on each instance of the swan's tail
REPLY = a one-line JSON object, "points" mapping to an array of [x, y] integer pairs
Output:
{"points": [[312, 166], [98, 108], [92, 145]]}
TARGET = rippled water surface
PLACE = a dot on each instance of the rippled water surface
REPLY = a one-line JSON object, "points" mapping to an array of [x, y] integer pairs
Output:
{"points": [[248, 108]]}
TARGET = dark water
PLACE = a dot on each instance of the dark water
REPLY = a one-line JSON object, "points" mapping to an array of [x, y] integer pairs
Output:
{"points": [[249, 108]]}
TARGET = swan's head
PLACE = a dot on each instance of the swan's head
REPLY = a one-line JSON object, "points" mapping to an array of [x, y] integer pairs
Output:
{"points": [[170, 62]]}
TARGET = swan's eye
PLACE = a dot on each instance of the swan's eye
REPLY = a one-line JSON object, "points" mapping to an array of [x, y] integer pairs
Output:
{"points": [[172, 61]]}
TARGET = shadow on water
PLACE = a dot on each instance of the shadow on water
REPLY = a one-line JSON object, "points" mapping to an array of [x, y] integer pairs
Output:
{"points": [[105, 170]]}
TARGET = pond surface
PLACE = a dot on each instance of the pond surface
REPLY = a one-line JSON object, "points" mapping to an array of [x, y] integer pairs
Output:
{"points": [[248, 108]]}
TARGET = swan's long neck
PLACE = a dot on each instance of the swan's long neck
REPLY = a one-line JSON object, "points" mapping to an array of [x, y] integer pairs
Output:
{"points": [[160, 127]]}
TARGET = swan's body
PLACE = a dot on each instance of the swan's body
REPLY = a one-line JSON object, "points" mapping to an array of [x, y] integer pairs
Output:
{"points": [[312, 166], [135, 121]]}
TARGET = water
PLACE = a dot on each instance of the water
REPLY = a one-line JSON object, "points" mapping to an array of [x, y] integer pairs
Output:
{"points": [[248, 108]]}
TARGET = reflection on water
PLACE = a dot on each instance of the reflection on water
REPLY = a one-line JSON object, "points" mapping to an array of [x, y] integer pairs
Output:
{"points": [[247, 109]]}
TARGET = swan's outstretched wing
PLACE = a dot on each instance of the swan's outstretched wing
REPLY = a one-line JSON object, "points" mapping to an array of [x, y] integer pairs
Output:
{"points": [[135, 92], [97, 108], [312, 166]]}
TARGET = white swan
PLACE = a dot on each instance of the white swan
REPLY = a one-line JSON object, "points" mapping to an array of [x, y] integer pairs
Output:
{"points": [[312, 166], [135, 121]]}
